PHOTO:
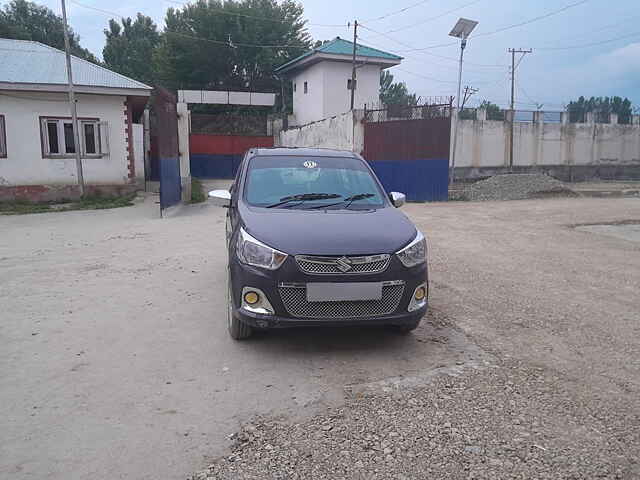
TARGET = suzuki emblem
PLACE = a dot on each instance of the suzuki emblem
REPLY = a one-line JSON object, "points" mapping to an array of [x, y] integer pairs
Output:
{"points": [[343, 264]]}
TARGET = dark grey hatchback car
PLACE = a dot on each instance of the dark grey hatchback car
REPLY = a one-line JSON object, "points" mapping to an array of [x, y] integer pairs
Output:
{"points": [[313, 239]]}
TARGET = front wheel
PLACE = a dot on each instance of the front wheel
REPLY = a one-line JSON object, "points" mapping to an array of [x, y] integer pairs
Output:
{"points": [[237, 329]]}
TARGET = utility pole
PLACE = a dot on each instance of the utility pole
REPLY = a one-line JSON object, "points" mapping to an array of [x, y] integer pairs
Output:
{"points": [[513, 52], [353, 63], [72, 102], [514, 65], [468, 92]]}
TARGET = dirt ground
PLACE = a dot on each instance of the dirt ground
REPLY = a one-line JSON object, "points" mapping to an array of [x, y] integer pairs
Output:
{"points": [[115, 362]]}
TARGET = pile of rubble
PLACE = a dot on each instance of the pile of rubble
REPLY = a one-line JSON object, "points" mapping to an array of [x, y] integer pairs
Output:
{"points": [[516, 187]]}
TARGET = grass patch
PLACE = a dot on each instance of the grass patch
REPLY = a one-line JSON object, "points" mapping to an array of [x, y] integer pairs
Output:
{"points": [[86, 203], [197, 192]]}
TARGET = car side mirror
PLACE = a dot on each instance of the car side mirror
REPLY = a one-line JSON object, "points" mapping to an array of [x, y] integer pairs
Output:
{"points": [[398, 199], [222, 198]]}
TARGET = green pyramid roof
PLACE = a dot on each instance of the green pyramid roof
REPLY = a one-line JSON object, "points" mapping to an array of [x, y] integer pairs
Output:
{"points": [[339, 46]]}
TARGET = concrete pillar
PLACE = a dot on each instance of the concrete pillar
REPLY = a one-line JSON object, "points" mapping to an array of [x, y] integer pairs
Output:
{"points": [[183, 148], [590, 118], [481, 114], [538, 117], [613, 118], [564, 118], [509, 115]]}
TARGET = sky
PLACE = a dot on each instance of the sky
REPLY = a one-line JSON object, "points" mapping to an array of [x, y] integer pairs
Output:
{"points": [[591, 47]]}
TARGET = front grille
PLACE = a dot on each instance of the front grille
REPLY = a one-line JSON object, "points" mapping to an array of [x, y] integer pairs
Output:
{"points": [[294, 298], [350, 265]]}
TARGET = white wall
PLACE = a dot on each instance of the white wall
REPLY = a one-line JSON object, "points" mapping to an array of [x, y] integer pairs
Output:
{"points": [[342, 132], [25, 164], [327, 90], [309, 107], [337, 99], [485, 143]]}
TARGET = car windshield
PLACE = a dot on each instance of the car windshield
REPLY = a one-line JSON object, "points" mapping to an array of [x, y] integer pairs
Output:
{"points": [[312, 182]]}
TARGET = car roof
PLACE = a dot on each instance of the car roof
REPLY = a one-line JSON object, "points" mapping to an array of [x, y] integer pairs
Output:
{"points": [[302, 151]]}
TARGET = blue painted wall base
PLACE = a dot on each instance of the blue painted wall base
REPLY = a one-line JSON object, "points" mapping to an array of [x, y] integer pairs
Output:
{"points": [[419, 180], [206, 165]]}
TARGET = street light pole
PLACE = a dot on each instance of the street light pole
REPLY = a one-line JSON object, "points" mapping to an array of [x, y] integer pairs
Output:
{"points": [[461, 30], [72, 102]]}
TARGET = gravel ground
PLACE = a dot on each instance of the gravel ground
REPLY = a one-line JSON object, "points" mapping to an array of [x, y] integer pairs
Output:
{"points": [[556, 311], [516, 187], [507, 421]]}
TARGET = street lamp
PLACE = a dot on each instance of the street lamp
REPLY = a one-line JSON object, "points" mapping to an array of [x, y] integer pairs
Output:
{"points": [[461, 30]]}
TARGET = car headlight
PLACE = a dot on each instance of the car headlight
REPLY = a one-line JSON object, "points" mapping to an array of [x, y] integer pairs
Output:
{"points": [[415, 253], [253, 252]]}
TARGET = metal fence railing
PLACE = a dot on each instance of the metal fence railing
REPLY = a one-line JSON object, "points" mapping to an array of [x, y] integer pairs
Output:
{"points": [[408, 112]]}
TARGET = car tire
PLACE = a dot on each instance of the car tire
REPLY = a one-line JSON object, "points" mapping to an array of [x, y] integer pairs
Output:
{"points": [[238, 330], [407, 327]]}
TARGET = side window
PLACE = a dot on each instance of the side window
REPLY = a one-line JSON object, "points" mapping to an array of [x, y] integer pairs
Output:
{"points": [[58, 139]]}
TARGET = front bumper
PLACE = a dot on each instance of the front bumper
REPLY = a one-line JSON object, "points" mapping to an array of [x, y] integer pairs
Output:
{"points": [[268, 281]]}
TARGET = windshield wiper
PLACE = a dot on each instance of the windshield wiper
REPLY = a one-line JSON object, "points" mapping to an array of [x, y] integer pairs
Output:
{"points": [[303, 197], [349, 200]]}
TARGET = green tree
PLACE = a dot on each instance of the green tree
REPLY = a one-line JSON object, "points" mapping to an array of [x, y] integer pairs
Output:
{"points": [[395, 93], [24, 20], [129, 48], [601, 107], [205, 44]]}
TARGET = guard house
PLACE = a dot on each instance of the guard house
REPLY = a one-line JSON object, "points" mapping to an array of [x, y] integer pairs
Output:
{"points": [[321, 79]]}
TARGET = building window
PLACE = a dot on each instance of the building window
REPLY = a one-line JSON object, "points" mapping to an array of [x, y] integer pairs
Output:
{"points": [[58, 139], [3, 138], [306, 88]]}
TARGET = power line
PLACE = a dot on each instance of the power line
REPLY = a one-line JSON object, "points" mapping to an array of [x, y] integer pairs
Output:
{"points": [[509, 27], [593, 44], [399, 42], [591, 32], [433, 18], [194, 37], [387, 15], [532, 20], [255, 17], [425, 76]]}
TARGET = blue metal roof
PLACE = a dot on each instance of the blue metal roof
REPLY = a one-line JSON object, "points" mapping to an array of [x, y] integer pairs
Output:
{"points": [[25, 61]]}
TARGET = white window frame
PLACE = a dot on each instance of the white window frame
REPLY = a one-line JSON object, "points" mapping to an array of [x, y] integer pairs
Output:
{"points": [[100, 134], [3, 137]]}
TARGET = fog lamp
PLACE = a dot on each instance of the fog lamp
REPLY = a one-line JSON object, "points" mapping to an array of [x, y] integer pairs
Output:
{"points": [[251, 297], [420, 293]]}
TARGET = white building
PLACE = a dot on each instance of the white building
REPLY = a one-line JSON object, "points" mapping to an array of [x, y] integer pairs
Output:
{"points": [[37, 151], [321, 79]]}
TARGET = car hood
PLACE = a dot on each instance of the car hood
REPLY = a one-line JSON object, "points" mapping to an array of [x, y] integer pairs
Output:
{"points": [[330, 232]]}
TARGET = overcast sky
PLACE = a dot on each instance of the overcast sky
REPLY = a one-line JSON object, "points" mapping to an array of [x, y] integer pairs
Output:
{"points": [[548, 76]]}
